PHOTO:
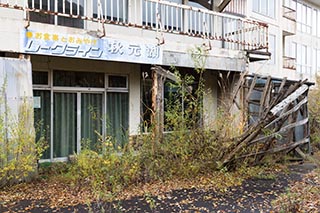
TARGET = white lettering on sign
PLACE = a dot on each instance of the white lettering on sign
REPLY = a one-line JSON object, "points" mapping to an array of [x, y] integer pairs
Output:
{"points": [[78, 46]]}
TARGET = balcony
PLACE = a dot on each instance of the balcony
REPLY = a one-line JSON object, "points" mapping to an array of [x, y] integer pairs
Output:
{"points": [[148, 14], [289, 23], [174, 27], [289, 63]]}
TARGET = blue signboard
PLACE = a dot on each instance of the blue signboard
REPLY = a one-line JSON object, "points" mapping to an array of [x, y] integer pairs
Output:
{"points": [[86, 46]]}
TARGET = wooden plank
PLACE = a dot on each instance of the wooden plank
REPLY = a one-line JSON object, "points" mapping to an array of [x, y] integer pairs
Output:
{"points": [[253, 83], [223, 5], [283, 129], [237, 104], [239, 84], [283, 83], [265, 94], [289, 99], [255, 102], [287, 147], [165, 73], [300, 152], [294, 109]]}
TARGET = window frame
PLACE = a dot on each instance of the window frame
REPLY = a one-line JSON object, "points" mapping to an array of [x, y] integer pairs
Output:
{"points": [[116, 89], [42, 86], [270, 12]]}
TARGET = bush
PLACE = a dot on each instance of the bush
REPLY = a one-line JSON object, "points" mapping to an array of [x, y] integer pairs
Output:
{"points": [[314, 115], [186, 150], [107, 172], [19, 153]]}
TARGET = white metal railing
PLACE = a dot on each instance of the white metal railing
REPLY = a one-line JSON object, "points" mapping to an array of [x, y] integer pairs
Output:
{"points": [[289, 13], [172, 17], [232, 31], [289, 62]]}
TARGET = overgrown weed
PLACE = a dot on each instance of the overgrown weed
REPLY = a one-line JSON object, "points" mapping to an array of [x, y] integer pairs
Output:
{"points": [[19, 153]]}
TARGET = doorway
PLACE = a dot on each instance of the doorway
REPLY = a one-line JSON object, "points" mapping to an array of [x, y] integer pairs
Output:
{"points": [[77, 121]]}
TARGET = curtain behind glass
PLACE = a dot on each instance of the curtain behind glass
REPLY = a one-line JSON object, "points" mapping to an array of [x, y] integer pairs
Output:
{"points": [[118, 117], [91, 119], [42, 119], [65, 124]]}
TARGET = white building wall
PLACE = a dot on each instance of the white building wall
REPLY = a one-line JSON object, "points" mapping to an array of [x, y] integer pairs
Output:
{"points": [[284, 43], [210, 99]]}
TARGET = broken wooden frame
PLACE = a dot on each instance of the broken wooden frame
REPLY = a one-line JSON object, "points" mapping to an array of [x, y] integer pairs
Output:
{"points": [[276, 113], [275, 110]]}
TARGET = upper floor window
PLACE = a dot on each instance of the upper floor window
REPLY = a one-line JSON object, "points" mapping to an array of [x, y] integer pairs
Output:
{"points": [[264, 7], [302, 53], [113, 10], [304, 18], [314, 22], [272, 49], [72, 8]]}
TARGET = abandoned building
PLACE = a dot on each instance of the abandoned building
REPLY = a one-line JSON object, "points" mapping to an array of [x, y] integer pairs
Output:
{"points": [[76, 58]]}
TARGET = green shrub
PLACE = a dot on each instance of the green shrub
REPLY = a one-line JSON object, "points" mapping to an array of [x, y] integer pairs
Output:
{"points": [[19, 153], [314, 115], [187, 149], [107, 172]]}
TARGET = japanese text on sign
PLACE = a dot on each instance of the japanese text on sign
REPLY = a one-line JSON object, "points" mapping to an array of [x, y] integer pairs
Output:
{"points": [[79, 46]]}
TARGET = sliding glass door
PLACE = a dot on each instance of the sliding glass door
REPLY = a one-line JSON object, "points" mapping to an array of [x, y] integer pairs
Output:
{"points": [[118, 117], [74, 109], [42, 118], [64, 124], [91, 119]]}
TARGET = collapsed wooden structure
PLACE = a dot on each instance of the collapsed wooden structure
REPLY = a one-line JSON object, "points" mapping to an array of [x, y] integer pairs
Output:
{"points": [[275, 111]]}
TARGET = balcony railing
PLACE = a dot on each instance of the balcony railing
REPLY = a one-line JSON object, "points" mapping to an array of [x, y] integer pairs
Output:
{"points": [[289, 13], [289, 63], [163, 16]]}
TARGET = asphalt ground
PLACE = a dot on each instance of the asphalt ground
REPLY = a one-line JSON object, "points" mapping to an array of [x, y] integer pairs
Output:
{"points": [[254, 195]]}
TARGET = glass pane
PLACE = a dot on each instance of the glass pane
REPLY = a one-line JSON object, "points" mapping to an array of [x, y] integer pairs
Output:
{"points": [[44, 6], [71, 7], [117, 81], [65, 124], [264, 7], [256, 6], [303, 54], [91, 119], [294, 50], [272, 48], [42, 117], [314, 22], [118, 117], [112, 10], [271, 8], [40, 78], [146, 89], [78, 79], [299, 13]]}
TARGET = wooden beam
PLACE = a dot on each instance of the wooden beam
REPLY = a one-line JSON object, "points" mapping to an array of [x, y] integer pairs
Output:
{"points": [[253, 83], [239, 84], [289, 99], [165, 73], [223, 5], [294, 109], [287, 147], [283, 129], [265, 94]]}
